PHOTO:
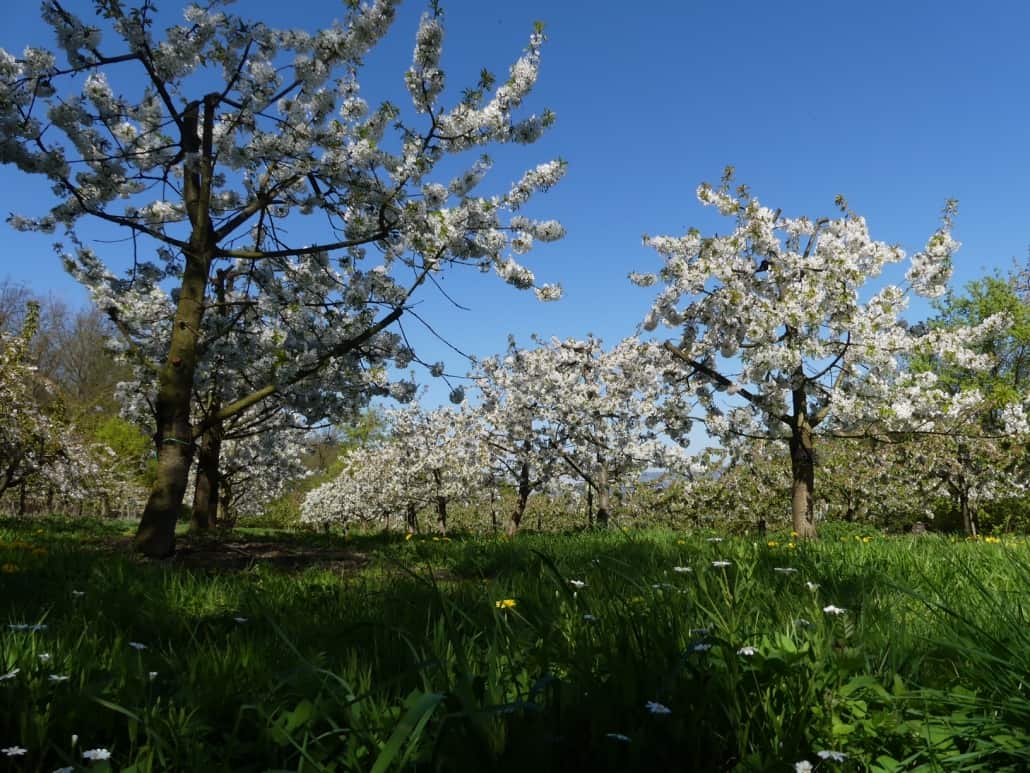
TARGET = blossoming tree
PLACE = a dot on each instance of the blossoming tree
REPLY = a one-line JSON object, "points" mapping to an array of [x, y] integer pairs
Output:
{"points": [[220, 180], [781, 338]]}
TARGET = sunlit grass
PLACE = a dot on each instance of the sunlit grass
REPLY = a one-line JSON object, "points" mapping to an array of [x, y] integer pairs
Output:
{"points": [[618, 650]]}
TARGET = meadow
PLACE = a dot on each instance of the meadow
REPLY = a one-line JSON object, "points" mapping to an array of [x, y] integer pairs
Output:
{"points": [[610, 650]]}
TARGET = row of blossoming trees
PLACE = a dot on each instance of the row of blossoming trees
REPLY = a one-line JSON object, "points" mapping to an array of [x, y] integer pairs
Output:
{"points": [[246, 323]]}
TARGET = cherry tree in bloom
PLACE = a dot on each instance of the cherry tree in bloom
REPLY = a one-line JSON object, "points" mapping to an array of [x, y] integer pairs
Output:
{"points": [[217, 181], [777, 339], [429, 459], [523, 445], [601, 410], [37, 443]]}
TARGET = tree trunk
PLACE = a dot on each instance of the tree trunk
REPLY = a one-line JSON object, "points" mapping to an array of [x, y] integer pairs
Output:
{"points": [[441, 503], [604, 496], [968, 517], [493, 508], [802, 466], [205, 495], [521, 498], [411, 518], [22, 491], [590, 507], [174, 436]]}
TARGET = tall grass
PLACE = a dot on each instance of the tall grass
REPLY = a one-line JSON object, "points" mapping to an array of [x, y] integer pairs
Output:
{"points": [[639, 650]]}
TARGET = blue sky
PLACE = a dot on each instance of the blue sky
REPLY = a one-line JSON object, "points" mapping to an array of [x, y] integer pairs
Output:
{"points": [[898, 106]]}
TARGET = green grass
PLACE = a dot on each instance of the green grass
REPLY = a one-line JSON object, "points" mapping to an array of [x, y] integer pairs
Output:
{"points": [[408, 663]]}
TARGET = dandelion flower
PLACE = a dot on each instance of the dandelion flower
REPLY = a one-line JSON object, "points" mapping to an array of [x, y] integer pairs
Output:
{"points": [[657, 708], [14, 751], [505, 604], [96, 754], [828, 754], [832, 610]]}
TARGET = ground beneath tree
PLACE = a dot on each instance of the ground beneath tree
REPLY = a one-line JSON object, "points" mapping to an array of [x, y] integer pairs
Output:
{"points": [[238, 553]]}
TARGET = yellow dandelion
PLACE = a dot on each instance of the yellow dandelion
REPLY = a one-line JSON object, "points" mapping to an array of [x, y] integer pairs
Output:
{"points": [[408, 536], [791, 546], [505, 604], [773, 543]]}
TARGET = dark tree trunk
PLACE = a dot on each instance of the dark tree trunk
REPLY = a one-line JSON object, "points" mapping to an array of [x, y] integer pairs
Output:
{"points": [[521, 498], [441, 503], [604, 497], [590, 507], [493, 508], [22, 494], [205, 495], [802, 467], [411, 518]]}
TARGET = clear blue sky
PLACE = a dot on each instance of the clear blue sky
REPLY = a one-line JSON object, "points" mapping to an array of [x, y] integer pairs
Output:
{"points": [[898, 106]]}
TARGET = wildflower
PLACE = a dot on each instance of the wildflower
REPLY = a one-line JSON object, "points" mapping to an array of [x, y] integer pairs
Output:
{"points": [[10, 674], [44, 657], [746, 651], [240, 620], [714, 539], [803, 767], [96, 754], [505, 604], [58, 678], [784, 569], [577, 584], [681, 569], [14, 751], [152, 675], [772, 543], [590, 618], [794, 534], [791, 546], [700, 647], [827, 754], [720, 564], [136, 645], [9, 568], [681, 542], [866, 540], [992, 540], [657, 708], [812, 586], [832, 610], [618, 737], [408, 536]]}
